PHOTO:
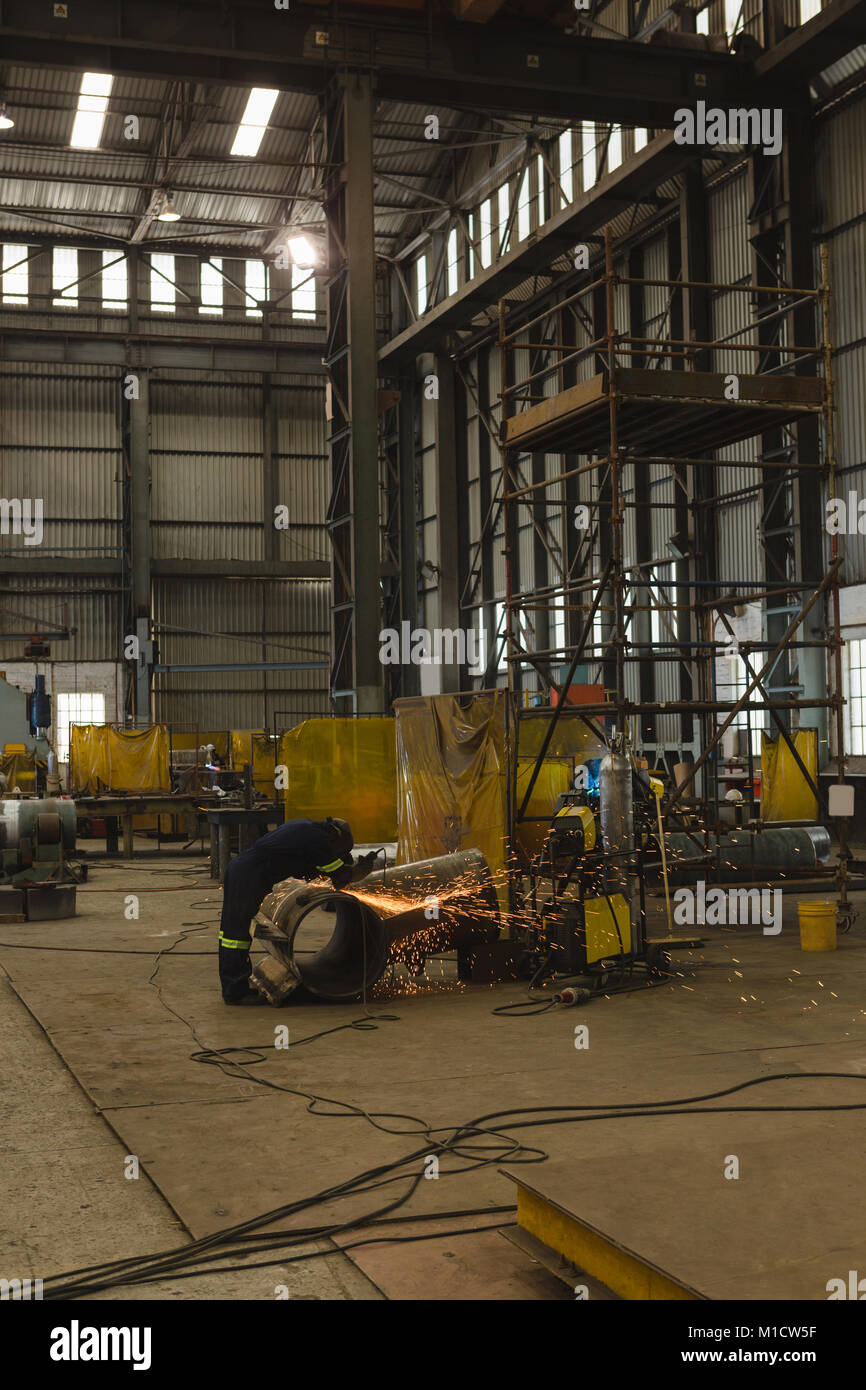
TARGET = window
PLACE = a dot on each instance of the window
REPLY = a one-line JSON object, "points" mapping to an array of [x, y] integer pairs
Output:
{"points": [[211, 286], [856, 653], [737, 686], [115, 290], [703, 24], [661, 622], [640, 137], [421, 288], [64, 276], [15, 274], [542, 205], [587, 142], [486, 223], [557, 625], [453, 257], [86, 707], [162, 289], [808, 10], [523, 222], [598, 635], [566, 167], [614, 148], [256, 273], [303, 293], [732, 14], [503, 207]]}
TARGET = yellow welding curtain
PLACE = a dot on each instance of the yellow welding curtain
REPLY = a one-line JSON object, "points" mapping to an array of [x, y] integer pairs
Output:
{"points": [[84, 750], [254, 746], [20, 771], [119, 760], [345, 768], [451, 776], [785, 793]]}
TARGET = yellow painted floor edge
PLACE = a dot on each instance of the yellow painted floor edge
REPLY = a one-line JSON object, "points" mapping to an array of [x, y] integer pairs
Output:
{"points": [[623, 1273]]}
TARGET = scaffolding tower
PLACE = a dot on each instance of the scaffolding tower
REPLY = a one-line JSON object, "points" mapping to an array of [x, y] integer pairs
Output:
{"points": [[620, 401]]}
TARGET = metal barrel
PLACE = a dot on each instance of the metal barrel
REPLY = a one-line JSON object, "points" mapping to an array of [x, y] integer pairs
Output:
{"points": [[400, 914]]}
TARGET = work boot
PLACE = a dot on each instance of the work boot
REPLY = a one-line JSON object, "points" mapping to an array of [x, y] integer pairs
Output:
{"points": [[252, 996]]}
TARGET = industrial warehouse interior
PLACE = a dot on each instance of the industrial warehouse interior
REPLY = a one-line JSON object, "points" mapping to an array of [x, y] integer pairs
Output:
{"points": [[433, 660]]}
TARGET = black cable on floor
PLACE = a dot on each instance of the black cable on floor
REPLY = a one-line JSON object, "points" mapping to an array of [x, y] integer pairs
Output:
{"points": [[138, 1269]]}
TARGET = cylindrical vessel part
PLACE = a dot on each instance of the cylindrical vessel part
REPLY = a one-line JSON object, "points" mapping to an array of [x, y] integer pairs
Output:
{"points": [[617, 818], [20, 818], [405, 913], [39, 707], [743, 854]]}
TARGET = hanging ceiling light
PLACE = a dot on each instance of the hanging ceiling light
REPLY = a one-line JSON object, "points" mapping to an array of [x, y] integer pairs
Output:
{"points": [[168, 212], [6, 121]]}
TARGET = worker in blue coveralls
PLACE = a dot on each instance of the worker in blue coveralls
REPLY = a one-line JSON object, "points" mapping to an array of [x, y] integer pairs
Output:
{"points": [[304, 849]]}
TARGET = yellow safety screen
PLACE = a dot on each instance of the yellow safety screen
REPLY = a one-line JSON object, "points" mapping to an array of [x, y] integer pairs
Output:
{"points": [[785, 793], [345, 768], [20, 771], [451, 776], [254, 746], [119, 760]]}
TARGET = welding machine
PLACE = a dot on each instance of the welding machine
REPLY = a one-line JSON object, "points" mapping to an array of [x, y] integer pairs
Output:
{"points": [[584, 916]]}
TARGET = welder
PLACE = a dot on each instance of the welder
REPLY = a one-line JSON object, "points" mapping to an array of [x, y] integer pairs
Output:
{"points": [[305, 849]]}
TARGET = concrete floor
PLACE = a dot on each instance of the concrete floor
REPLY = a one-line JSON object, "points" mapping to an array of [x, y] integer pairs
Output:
{"points": [[97, 1067]]}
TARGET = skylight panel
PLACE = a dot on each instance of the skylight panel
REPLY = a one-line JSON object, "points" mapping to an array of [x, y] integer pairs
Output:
{"points": [[90, 113], [254, 121]]}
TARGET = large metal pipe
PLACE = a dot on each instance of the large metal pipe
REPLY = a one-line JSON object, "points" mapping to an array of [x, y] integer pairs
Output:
{"points": [[404, 913]]}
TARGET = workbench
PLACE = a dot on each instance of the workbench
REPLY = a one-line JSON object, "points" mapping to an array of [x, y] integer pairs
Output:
{"points": [[119, 806], [251, 825]]}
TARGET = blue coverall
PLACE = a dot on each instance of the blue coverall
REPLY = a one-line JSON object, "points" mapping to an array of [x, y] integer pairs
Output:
{"points": [[298, 849]]}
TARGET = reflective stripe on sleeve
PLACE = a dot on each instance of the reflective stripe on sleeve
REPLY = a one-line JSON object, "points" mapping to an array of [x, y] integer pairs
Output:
{"points": [[329, 868]]}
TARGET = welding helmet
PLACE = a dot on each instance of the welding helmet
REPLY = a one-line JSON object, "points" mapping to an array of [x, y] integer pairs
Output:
{"points": [[342, 833]]}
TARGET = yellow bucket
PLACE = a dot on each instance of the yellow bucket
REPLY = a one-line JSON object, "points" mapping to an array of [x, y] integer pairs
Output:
{"points": [[817, 925]]}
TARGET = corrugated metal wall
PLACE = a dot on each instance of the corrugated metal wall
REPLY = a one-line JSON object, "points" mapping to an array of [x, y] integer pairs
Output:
{"points": [[61, 440], [739, 551], [842, 211]]}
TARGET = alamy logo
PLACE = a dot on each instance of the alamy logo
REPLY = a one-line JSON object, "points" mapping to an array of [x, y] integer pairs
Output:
{"points": [[744, 126], [847, 517], [77, 1343], [23, 1290], [421, 646], [855, 1287], [22, 516], [728, 907]]}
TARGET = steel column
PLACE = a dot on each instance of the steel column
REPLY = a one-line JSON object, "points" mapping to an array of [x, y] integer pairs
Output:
{"points": [[353, 514]]}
